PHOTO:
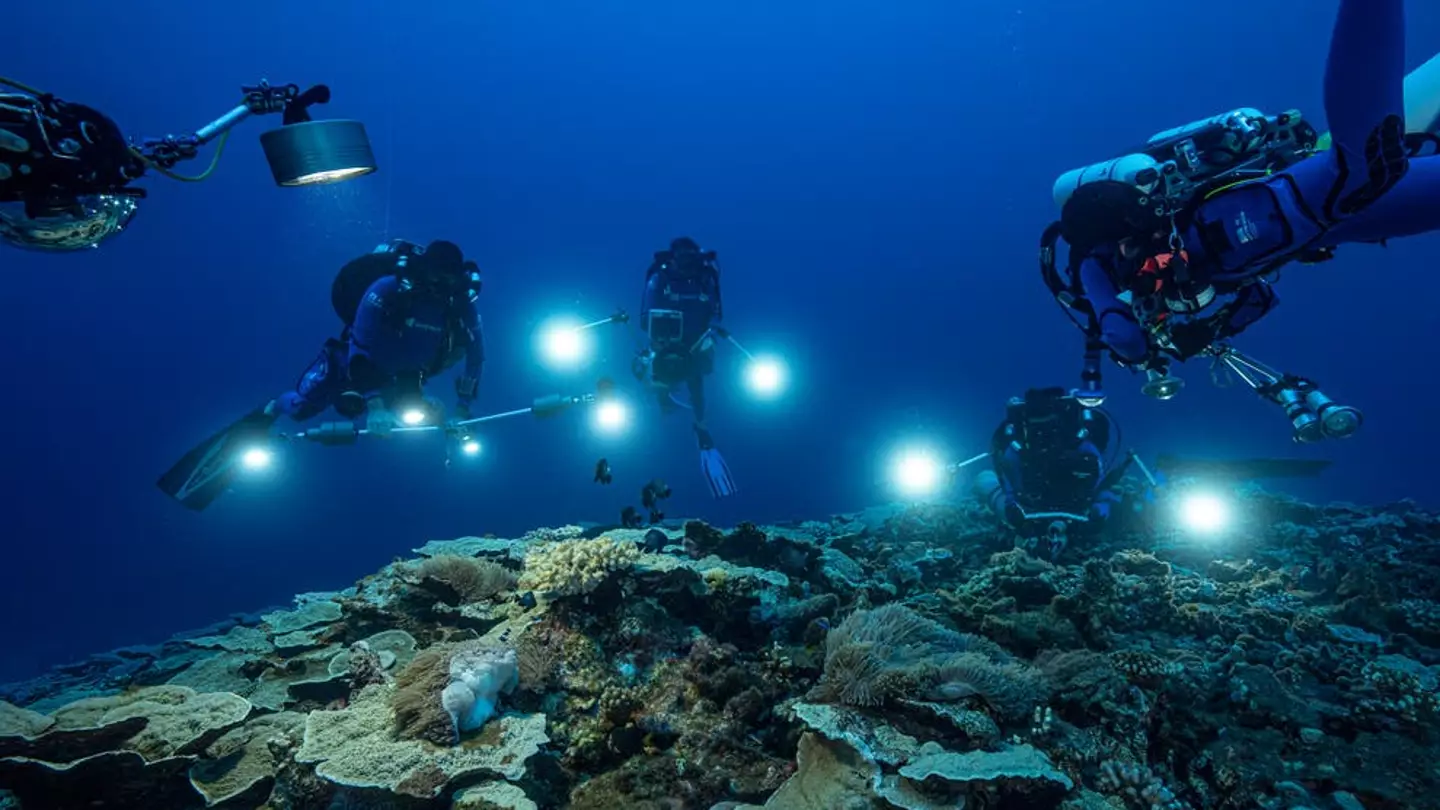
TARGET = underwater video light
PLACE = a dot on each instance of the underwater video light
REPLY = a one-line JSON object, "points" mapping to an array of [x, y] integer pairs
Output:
{"points": [[1204, 513], [765, 377], [470, 447], [256, 459], [563, 343], [917, 473], [313, 153], [413, 416], [611, 416]]}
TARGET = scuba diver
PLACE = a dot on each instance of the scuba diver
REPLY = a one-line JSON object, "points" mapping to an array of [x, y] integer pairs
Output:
{"points": [[66, 169], [1172, 248], [680, 311], [1053, 470], [409, 315]]}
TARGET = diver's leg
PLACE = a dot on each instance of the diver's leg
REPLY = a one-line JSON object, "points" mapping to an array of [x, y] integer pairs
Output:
{"points": [[1411, 207], [1365, 105], [317, 387], [1365, 72], [696, 385]]}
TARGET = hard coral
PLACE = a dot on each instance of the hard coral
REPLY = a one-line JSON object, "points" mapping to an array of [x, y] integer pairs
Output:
{"points": [[576, 567]]}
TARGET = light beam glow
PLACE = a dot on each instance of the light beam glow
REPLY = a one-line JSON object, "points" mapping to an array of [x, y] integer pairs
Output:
{"points": [[470, 447], [413, 417], [256, 458], [563, 344], [766, 377], [917, 473], [611, 416], [1204, 513]]}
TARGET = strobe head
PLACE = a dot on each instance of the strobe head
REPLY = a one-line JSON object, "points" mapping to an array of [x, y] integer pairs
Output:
{"points": [[1336, 421], [1159, 384], [1306, 424]]}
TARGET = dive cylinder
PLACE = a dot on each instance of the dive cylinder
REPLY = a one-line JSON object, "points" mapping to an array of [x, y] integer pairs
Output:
{"points": [[1174, 161], [1137, 169], [1234, 132]]}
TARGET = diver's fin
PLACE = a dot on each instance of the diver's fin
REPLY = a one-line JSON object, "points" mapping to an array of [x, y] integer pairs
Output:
{"points": [[717, 473], [205, 472], [1242, 468]]}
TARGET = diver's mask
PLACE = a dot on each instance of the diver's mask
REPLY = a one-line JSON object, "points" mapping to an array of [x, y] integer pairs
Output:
{"points": [[80, 224]]}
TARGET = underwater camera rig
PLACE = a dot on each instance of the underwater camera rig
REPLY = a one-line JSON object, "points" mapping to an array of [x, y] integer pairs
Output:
{"points": [[1312, 414], [1174, 164], [65, 168]]}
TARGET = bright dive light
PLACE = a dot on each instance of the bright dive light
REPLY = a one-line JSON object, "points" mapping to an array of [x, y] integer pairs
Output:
{"points": [[311, 153], [611, 416], [766, 377], [256, 458], [564, 343], [413, 417], [470, 447], [1204, 513], [917, 473]]}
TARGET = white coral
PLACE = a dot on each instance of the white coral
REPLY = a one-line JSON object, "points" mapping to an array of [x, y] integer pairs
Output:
{"points": [[574, 567]]}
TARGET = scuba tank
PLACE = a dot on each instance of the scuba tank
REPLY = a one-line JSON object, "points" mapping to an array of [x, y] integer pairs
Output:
{"points": [[1172, 164]]}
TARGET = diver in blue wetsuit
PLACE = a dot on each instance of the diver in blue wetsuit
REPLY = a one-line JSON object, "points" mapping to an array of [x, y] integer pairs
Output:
{"points": [[1172, 247], [1054, 472], [681, 311], [409, 315]]}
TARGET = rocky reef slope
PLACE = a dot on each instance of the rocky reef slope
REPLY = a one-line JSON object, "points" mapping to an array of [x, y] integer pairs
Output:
{"points": [[899, 658]]}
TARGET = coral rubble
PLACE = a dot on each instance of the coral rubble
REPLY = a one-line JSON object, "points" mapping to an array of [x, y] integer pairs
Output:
{"points": [[897, 658]]}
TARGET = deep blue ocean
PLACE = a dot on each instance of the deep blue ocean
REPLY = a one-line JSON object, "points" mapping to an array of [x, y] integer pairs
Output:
{"points": [[874, 175]]}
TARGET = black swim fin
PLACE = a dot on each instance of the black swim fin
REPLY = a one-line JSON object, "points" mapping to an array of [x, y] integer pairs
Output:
{"points": [[204, 473], [1250, 468]]}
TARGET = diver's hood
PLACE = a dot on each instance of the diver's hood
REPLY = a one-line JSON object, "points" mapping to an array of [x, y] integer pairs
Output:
{"points": [[89, 221]]}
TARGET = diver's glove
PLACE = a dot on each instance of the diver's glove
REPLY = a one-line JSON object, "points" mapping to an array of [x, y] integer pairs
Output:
{"points": [[379, 419]]}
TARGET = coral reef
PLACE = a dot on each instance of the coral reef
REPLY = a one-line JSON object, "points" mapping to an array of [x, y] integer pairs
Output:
{"points": [[902, 657]]}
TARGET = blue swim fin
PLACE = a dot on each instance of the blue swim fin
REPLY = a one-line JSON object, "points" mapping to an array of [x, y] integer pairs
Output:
{"points": [[717, 473]]}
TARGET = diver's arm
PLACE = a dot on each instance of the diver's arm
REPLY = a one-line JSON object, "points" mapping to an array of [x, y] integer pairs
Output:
{"points": [[468, 385], [718, 312], [648, 294], [1118, 327], [1251, 304]]}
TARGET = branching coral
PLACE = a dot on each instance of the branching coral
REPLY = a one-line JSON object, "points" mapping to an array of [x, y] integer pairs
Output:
{"points": [[576, 567], [473, 580]]}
